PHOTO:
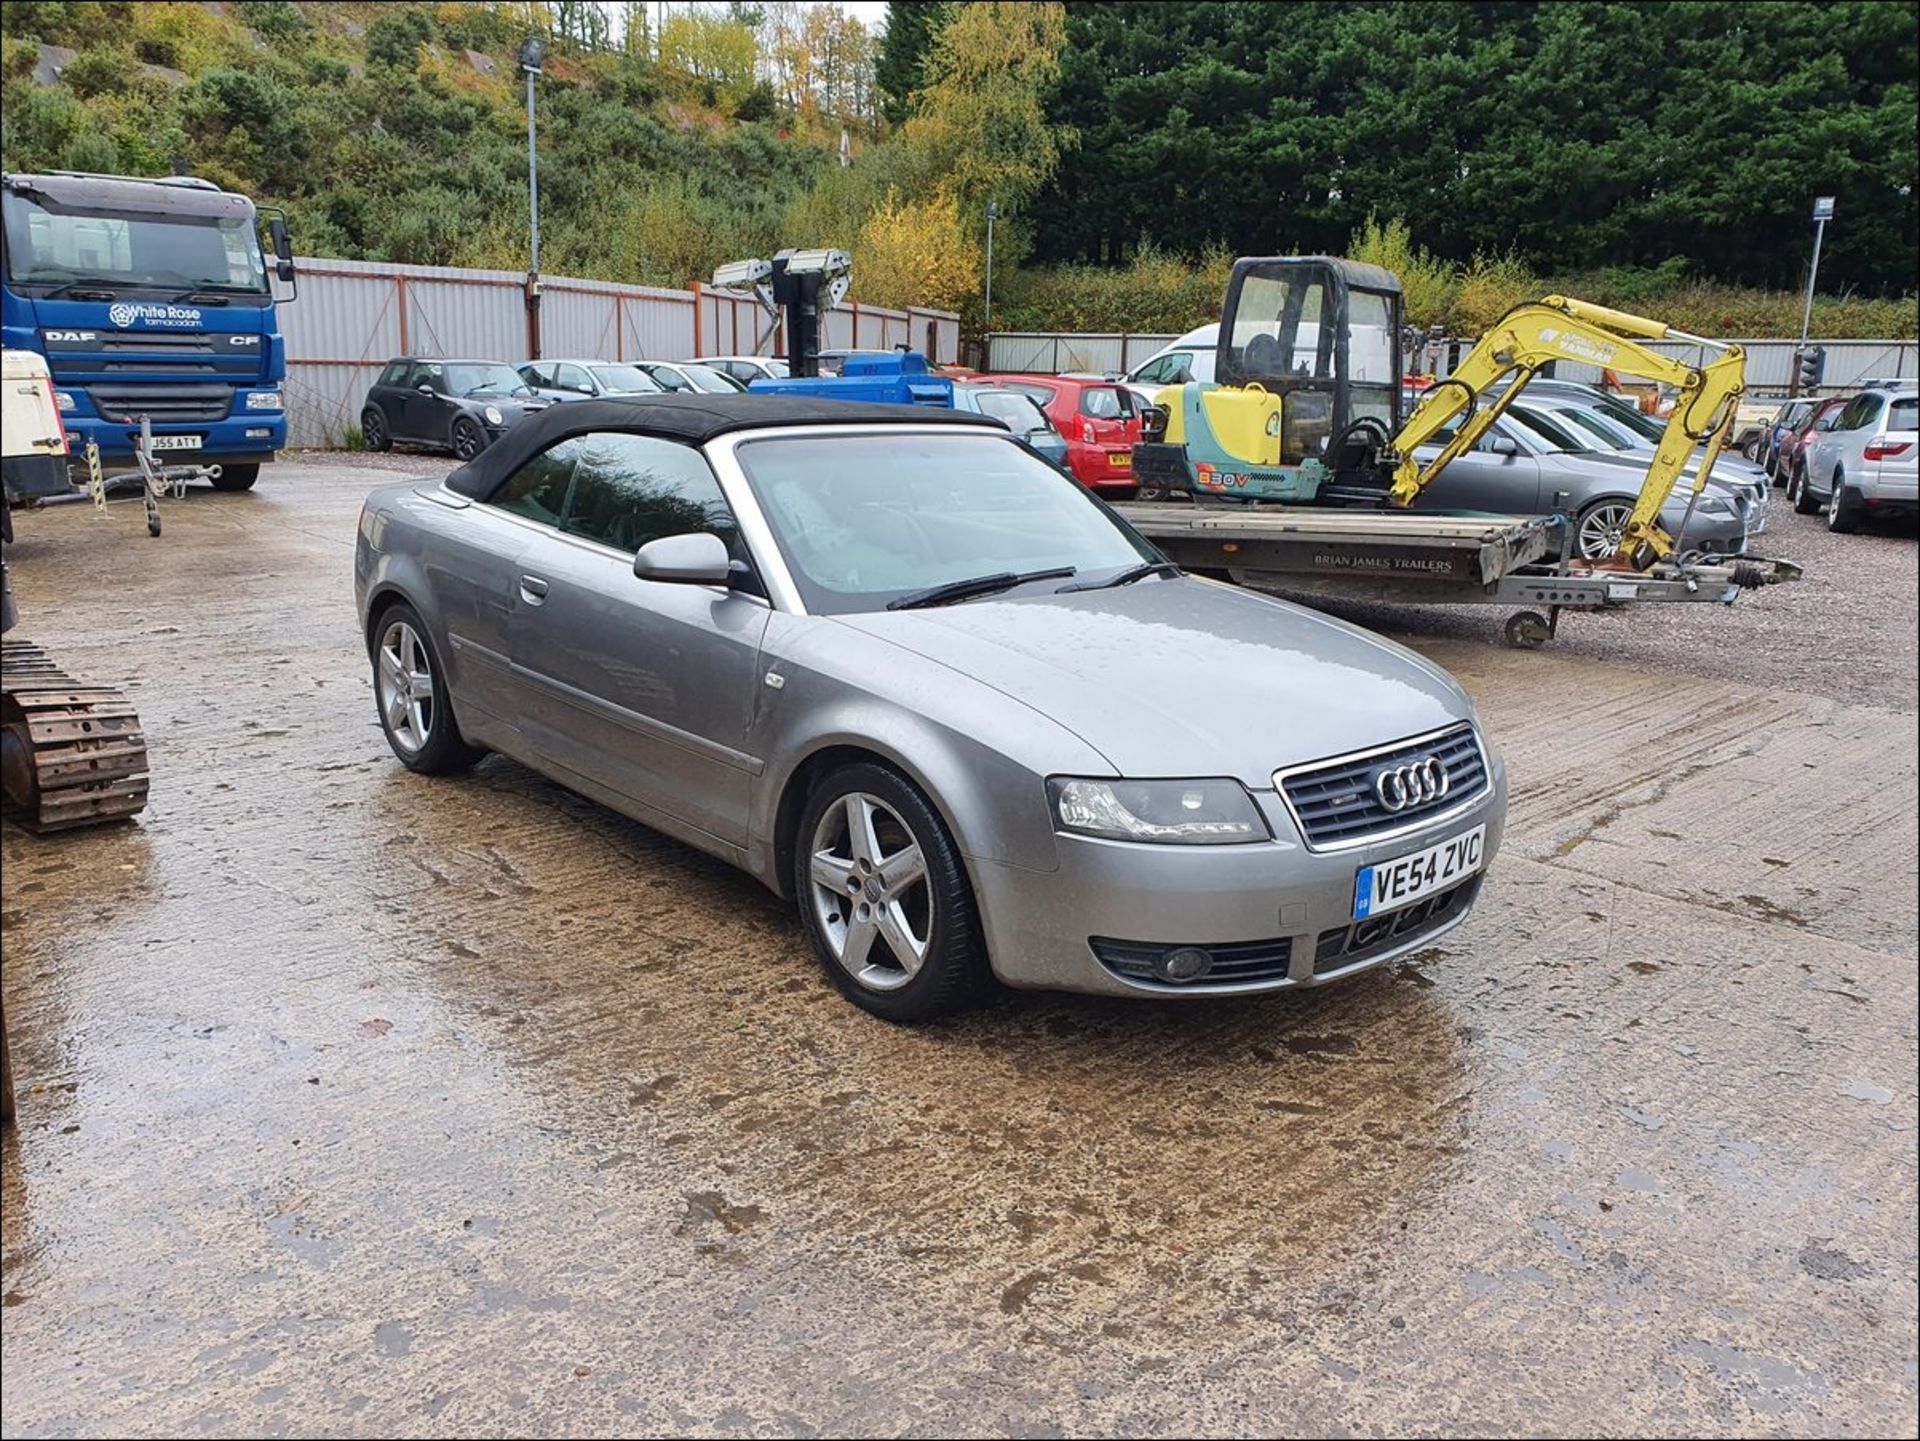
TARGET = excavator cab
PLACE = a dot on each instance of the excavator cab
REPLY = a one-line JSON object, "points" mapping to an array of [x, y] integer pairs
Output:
{"points": [[1307, 387]]}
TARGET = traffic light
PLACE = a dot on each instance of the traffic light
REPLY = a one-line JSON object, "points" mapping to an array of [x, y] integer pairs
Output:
{"points": [[1809, 366]]}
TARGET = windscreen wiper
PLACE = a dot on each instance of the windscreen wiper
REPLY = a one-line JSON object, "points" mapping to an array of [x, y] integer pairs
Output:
{"points": [[979, 585], [1127, 577], [90, 284]]}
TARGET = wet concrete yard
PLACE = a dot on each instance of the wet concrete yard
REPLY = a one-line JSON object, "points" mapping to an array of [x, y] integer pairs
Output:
{"points": [[354, 1102]]}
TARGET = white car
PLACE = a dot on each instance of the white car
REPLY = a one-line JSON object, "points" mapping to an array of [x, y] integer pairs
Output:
{"points": [[680, 376], [746, 368], [1190, 358], [1868, 462]]}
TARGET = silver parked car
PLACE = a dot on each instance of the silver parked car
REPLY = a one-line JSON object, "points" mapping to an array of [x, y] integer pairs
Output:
{"points": [[919, 682], [1865, 464], [1019, 414], [587, 379], [1530, 463]]}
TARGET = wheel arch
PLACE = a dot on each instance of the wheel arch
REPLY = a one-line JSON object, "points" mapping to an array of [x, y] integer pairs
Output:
{"points": [[824, 761]]}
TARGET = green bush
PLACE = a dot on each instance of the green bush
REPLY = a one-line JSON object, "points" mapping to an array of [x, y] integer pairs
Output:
{"points": [[97, 72], [279, 22]]}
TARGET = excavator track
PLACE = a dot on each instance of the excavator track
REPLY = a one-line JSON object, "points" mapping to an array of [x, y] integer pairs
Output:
{"points": [[71, 754]]}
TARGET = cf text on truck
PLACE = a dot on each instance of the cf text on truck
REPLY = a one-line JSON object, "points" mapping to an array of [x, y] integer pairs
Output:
{"points": [[151, 298]]}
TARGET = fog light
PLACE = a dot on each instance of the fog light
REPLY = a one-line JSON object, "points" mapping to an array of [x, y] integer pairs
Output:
{"points": [[259, 434], [1188, 963]]}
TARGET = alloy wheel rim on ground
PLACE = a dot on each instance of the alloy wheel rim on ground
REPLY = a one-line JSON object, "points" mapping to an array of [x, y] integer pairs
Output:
{"points": [[871, 894], [404, 678], [371, 430], [466, 444], [1601, 532]]}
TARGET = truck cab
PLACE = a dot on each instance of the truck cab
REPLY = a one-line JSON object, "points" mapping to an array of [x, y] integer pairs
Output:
{"points": [[149, 298]]}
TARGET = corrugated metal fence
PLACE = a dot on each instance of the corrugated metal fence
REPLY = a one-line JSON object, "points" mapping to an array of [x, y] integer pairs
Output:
{"points": [[1769, 362], [354, 315]]}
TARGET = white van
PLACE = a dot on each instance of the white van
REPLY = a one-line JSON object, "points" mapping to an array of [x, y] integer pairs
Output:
{"points": [[1190, 358]]}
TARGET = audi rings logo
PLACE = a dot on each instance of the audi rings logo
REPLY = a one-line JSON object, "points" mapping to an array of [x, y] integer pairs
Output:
{"points": [[1418, 783]]}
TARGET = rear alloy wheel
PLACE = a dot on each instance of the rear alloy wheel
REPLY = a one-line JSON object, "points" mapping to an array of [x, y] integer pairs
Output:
{"points": [[411, 692], [468, 438], [373, 429], [1601, 529], [885, 899], [1843, 509]]}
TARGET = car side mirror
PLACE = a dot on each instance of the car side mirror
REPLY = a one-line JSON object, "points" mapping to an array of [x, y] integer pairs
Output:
{"points": [[1503, 445], [424, 389], [697, 559]]}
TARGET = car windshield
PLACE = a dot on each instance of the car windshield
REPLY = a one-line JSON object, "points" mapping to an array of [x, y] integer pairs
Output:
{"points": [[713, 382], [1610, 436], [473, 379], [626, 379], [1629, 416], [1021, 414], [866, 519], [1551, 432]]}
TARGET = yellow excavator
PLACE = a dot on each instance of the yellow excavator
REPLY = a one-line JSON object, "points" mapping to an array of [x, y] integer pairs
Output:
{"points": [[1306, 402]]}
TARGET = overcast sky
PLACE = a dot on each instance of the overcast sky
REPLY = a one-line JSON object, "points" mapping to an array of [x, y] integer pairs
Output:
{"points": [[873, 13]]}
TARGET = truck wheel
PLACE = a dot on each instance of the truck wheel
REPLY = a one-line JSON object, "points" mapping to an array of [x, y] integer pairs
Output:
{"points": [[236, 477]]}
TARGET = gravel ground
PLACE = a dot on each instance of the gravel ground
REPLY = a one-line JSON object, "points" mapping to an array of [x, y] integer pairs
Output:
{"points": [[1846, 629]]}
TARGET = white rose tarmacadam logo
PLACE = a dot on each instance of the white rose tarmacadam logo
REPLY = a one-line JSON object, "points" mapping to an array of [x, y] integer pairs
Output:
{"points": [[124, 314]]}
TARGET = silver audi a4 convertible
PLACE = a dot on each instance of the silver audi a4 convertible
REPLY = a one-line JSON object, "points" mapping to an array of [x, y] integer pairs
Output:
{"points": [[924, 685]]}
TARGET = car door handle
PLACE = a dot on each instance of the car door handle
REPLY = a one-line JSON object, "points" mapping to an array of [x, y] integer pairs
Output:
{"points": [[533, 590]]}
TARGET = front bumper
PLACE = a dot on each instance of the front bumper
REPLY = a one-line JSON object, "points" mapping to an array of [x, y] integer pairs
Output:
{"points": [[1041, 925], [238, 438]]}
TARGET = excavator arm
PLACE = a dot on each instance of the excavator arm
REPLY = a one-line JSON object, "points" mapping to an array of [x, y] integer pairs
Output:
{"points": [[1556, 328]]}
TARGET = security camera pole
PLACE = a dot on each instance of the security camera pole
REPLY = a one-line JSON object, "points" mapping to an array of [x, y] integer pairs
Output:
{"points": [[533, 55], [1822, 213]]}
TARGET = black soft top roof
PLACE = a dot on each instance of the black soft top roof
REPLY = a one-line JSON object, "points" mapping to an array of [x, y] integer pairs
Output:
{"points": [[690, 419]]}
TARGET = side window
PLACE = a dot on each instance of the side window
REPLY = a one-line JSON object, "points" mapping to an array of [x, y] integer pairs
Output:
{"points": [[1902, 414], [394, 374], [572, 377], [432, 374], [537, 373], [538, 489], [1154, 372], [1861, 412], [630, 489]]}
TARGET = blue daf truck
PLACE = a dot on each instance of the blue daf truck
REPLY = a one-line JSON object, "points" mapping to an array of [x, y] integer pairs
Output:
{"points": [[151, 298]]}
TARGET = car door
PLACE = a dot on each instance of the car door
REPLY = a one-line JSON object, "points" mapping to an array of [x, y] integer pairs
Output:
{"points": [[426, 410], [575, 380], [1500, 474], [644, 687]]}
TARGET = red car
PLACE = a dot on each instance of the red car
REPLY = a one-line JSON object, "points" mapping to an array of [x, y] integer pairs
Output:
{"points": [[1099, 419], [1793, 445]]}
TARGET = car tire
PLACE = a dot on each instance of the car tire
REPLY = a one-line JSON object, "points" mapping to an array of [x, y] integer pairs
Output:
{"points": [[466, 438], [1843, 509], [410, 695], [236, 477], [1801, 494], [1604, 518], [914, 919], [373, 429]]}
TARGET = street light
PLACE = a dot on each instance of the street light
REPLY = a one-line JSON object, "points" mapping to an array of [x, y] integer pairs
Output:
{"points": [[533, 54], [993, 214]]}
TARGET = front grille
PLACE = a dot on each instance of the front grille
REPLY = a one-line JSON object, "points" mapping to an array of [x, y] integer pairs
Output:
{"points": [[191, 342], [164, 404], [1233, 964], [1335, 802], [1344, 946]]}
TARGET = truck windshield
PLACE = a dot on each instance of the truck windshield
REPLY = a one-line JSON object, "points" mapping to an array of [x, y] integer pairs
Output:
{"points": [[51, 246]]}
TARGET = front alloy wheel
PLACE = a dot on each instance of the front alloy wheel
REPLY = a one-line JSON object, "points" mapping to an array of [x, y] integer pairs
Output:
{"points": [[885, 898], [1602, 528], [468, 438]]}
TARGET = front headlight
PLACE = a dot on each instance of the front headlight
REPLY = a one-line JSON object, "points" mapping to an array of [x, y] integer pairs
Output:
{"points": [[1188, 813], [263, 400], [64, 400], [492, 413]]}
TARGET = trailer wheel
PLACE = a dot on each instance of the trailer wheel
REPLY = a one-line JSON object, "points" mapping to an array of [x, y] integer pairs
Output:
{"points": [[1528, 630]]}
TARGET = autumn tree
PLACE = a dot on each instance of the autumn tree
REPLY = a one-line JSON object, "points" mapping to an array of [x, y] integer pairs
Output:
{"points": [[916, 253]]}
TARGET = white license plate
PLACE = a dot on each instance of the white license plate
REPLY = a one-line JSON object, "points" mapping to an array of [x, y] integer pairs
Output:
{"points": [[1389, 885], [176, 442]]}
